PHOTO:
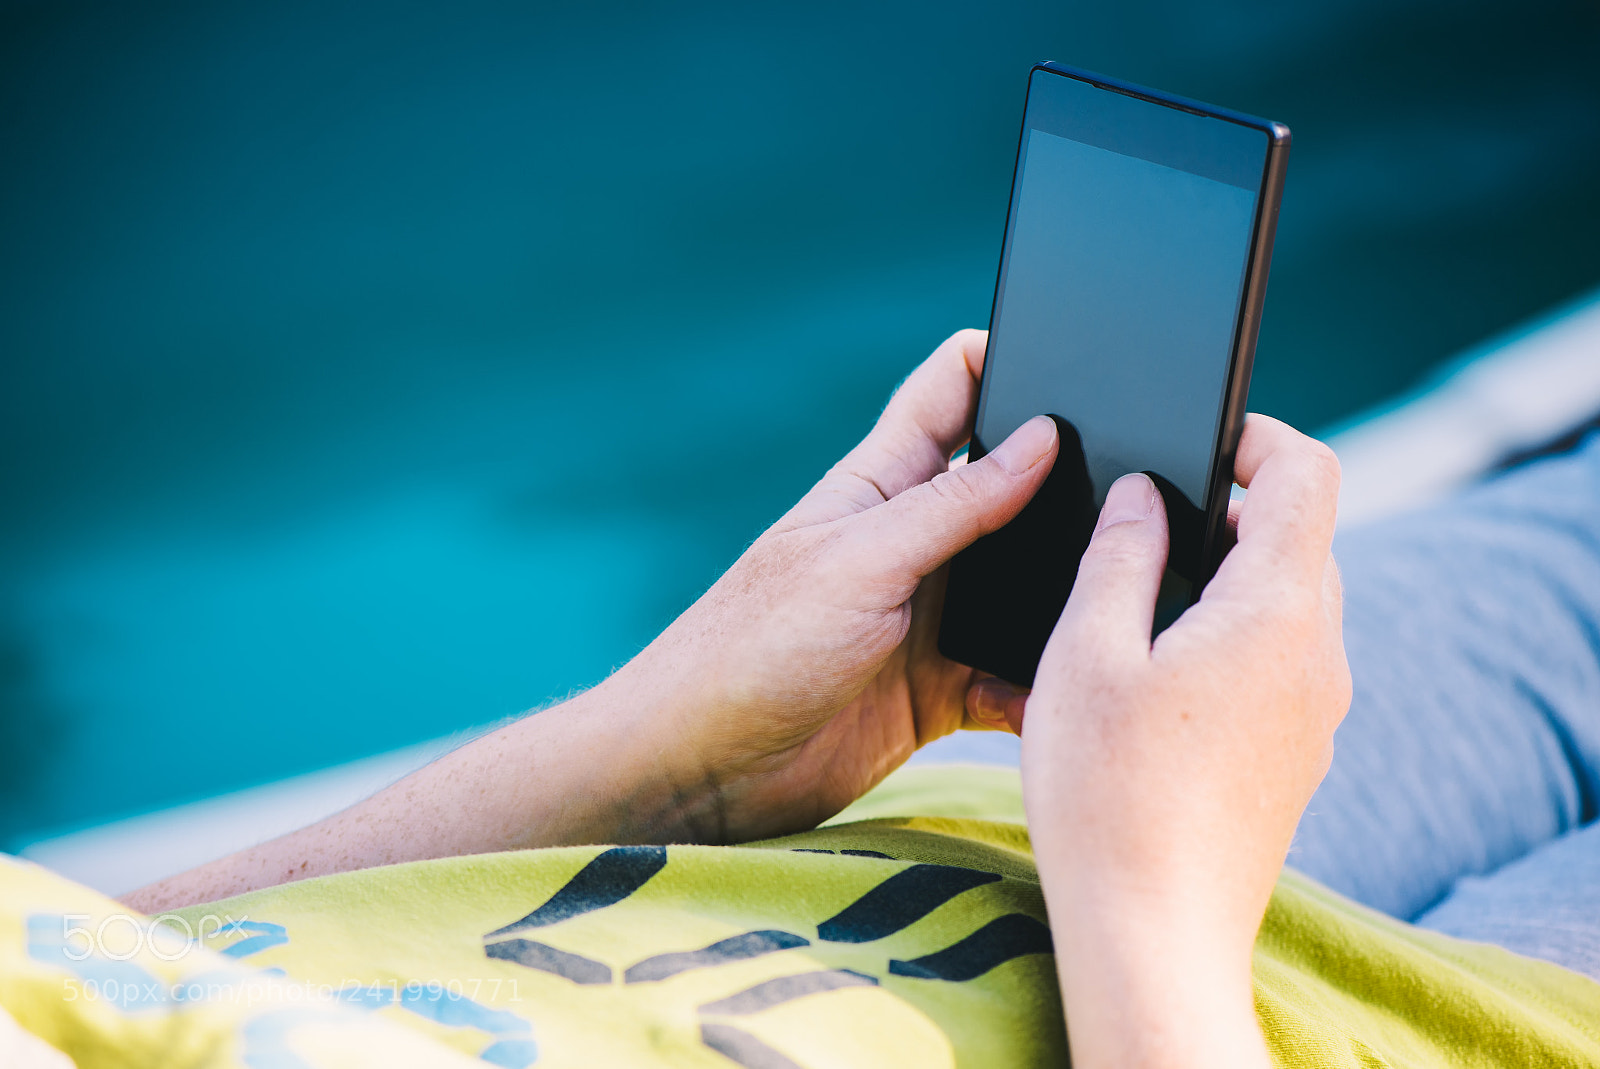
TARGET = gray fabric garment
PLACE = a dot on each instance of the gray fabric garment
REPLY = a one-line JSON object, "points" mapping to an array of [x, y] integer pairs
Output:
{"points": [[1545, 905], [1471, 755]]}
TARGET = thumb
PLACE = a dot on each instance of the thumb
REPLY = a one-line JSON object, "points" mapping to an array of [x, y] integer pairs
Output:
{"points": [[1113, 600], [917, 531]]}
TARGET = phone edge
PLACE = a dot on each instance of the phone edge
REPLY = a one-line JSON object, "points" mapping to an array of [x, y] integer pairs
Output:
{"points": [[975, 448], [1237, 392]]}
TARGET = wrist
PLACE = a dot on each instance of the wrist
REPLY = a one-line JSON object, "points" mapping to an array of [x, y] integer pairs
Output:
{"points": [[1151, 979], [640, 777]]}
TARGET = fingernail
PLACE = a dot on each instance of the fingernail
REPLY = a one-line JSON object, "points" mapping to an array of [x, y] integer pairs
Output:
{"points": [[996, 704], [1027, 445], [987, 701], [1131, 497]]}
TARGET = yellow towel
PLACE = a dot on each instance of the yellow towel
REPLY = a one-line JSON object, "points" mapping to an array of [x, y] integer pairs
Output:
{"points": [[910, 932]]}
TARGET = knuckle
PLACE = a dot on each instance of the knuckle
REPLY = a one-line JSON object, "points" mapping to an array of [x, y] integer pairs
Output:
{"points": [[1123, 546], [956, 489], [1118, 553], [1323, 464], [1334, 582]]}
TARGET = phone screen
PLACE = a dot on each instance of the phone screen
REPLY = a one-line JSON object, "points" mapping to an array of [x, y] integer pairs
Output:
{"points": [[1116, 311]]}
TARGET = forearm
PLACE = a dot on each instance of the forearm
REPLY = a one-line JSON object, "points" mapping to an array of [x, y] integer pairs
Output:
{"points": [[585, 771]]}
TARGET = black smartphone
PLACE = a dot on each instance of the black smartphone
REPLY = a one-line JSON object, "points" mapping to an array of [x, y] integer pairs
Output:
{"points": [[1131, 281]]}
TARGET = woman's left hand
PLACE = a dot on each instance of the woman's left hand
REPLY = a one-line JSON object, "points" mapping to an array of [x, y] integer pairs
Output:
{"points": [[810, 670]]}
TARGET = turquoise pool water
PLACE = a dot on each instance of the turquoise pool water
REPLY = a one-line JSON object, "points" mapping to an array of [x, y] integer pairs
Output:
{"points": [[376, 372]]}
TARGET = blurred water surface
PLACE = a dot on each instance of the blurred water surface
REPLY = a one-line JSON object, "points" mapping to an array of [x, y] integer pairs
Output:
{"points": [[372, 372]]}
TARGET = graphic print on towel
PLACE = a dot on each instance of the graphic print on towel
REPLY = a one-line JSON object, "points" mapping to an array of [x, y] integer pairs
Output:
{"points": [[890, 941], [742, 988]]}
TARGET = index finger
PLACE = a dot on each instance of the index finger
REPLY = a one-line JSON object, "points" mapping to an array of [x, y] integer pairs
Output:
{"points": [[927, 419], [940, 398], [1286, 523]]}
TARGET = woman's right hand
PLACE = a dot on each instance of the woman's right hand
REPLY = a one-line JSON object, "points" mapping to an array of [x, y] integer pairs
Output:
{"points": [[1163, 781]]}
